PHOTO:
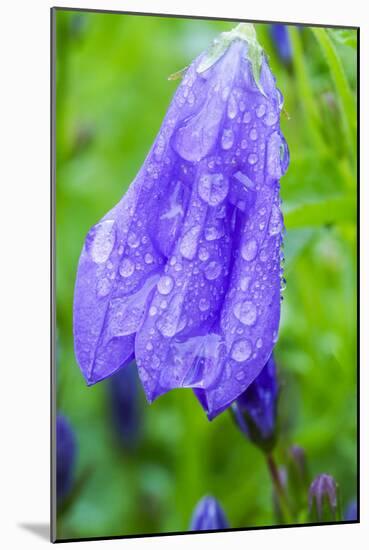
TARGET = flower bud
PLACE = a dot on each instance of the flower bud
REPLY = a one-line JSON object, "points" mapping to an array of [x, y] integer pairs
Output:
{"points": [[208, 515], [351, 511], [125, 406], [256, 409], [65, 457], [323, 499], [282, 43]]}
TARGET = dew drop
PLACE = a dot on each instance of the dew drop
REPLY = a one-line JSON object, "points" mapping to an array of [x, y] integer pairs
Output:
{"points": [[165, 284], [259, 343], [245, 312], [275, 221], [212, 270], [246, 117], [227, 139], [189, 242], [245, 180], [213, 233], [204, 304], [103, 287], [253, 134], [153, 311], [213, 188], [241, 350], [252, 158], [100, 241], [232, 107], [133, 240], [270, 118], [245, 283], [126, 268], [148, 258], [260, 110], [249, 250], [273, 160], [203, 254]]}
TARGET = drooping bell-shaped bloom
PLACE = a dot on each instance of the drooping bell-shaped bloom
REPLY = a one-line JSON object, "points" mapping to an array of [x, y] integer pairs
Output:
{"points": [[282, 42], [65, 457], [125, 406], [183, 274], [323, 499], [255, 410], [208, 515]]}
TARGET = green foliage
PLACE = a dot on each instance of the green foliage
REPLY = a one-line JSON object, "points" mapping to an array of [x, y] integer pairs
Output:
{"points": [[112, 93]]}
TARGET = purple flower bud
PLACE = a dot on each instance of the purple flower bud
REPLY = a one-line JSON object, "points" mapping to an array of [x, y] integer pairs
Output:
{"points": [[351, 511], [183, 274], [281, 39], [323, 499], [65, 457], [208, 515], [124, 394], [255, 410]]}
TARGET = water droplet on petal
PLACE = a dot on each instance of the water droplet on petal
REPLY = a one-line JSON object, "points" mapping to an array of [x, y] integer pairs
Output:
{"points": [[232, 107], [245, 180], [204, 304], [213, 188], [245, 312], [249, 250], [103, 287], [253, 134], [241, 350], [133, 240], [189, 242], [260, 110], [203, 254], [126, 268], [227, 139], [259, 343], [100, 241], [273, 160], [246, 117], [275, 221], [148, 258], [252, 158], [245, 283], [165, 284], [212, 270], [270, 118]]}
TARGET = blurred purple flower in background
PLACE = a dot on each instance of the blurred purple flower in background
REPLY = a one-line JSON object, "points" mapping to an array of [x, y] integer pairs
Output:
{"points": [[323, 499], [255, 410], [208, 515], [184, 274], [351, 511], [282, 42], [125, 406], [65, 457]]}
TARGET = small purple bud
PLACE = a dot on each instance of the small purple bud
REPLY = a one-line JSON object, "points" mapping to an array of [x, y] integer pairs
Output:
{"points": [[323, 499], [281, 39], [255, 410], [208, 516], [351, 511], [65, 457], [125, 405]]}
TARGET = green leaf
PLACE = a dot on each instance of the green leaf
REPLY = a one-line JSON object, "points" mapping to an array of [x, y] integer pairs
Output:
{"points": [[338, 210], [345, 95], [348, 37]]}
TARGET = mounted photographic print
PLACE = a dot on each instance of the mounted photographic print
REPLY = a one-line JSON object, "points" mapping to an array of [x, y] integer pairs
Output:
{"points": [[204, 232]]}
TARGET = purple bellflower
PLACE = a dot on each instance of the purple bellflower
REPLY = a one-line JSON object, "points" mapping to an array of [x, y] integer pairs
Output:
{"points": [[126, 411], [184, 274], [208, 516], [255, 410], [323, 499], [65, 457], [282, 42]]}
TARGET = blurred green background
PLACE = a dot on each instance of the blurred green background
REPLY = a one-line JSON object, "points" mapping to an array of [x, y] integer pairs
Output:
{"points": [[112, 91]]}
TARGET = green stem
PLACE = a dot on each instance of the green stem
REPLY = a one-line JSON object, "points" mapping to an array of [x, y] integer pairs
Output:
{"points": [[279, 489]]}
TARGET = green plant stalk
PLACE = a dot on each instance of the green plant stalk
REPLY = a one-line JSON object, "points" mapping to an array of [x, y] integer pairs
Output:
{"points": [[345, 96], [279, 489], [306, 94]]}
